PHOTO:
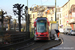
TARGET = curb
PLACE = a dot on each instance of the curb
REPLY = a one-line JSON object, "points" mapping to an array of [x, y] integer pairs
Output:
{"points": [[54, 45]]}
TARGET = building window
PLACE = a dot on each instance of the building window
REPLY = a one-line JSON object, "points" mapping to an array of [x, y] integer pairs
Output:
{"points": [[58, 9], [33, 15], [60, 15], [60, 21], [66, 5], [74, 9], [57, 16], [51, 18]]}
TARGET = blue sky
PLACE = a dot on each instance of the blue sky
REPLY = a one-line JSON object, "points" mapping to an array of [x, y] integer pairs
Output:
{"points": [[7, 5]]}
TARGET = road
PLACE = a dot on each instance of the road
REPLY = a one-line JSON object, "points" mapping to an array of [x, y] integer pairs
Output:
{"points": [[67, 44]]}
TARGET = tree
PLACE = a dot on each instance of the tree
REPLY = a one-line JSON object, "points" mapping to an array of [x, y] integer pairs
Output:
{"points": [[19, 7], [9, 19], [2, 17], [14, 24]]}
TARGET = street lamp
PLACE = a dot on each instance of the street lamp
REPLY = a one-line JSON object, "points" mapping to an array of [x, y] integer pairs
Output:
{"points": [[55, 10]]}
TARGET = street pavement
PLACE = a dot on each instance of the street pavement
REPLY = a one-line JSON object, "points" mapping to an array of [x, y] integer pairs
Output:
{"points": [[67, 44]]}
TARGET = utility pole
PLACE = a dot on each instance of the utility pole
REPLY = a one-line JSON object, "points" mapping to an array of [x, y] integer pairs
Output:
{"points": [[27, 19], [55, 10], [19, 7], [27, 3]]}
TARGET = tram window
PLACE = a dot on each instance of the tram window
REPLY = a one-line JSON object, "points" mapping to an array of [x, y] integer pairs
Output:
{"points": [[41, 27]]}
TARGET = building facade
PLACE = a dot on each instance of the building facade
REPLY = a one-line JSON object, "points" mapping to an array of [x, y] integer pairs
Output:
{"points": [[59, 16], [44, 11], [68, 13]]}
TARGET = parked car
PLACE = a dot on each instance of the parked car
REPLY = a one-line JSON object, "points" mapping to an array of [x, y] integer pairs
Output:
{"points": [[61, 30], [67, 30], [72, 32]]}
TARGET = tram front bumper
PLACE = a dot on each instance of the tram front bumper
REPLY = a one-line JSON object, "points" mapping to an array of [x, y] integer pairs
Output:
{"points": [[42, 38]]}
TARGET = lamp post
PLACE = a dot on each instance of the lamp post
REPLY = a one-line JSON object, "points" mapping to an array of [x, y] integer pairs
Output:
{"points": [[27, 3], [55, 10], [26, 15], [26, 12]]}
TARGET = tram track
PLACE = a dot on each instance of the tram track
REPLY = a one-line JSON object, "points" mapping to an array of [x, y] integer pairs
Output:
{"points": [[33, 45], [38, 46], [41, 47], [27, 45]]}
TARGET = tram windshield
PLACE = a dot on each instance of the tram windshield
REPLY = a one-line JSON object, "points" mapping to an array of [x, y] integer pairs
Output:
{"points": [[41, 27]]}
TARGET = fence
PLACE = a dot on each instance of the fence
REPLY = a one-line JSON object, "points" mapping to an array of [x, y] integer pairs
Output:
{"points": [[11, 37]]}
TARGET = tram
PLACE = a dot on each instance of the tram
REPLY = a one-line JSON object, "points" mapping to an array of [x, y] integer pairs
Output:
{"points": [[41, 25]]}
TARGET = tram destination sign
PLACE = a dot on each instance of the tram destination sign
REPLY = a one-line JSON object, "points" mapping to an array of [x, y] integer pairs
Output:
{"points": [[42, 21]]}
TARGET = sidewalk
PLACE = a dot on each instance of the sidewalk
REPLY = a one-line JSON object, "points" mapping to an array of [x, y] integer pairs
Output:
{"points": [[53, 43]]}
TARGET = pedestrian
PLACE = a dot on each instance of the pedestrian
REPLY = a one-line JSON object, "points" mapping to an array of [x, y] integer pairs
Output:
{"points": [[57, 31], [53, 32]]}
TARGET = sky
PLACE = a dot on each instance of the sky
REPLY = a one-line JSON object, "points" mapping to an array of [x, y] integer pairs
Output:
{"points": [[7, 5]]}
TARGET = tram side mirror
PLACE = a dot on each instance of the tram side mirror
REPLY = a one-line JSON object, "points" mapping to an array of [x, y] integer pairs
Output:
{"points": [[34, 25]]}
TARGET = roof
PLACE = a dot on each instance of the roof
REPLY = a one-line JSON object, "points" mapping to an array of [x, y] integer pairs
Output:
{"points": [[41, 18], [48, 5], [65, 3]]}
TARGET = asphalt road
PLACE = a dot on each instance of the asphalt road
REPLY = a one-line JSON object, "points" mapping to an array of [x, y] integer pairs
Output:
{"points": [[67, 44]]}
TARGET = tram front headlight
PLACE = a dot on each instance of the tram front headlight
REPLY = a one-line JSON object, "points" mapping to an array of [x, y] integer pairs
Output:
{"points": [[38, 35]]}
